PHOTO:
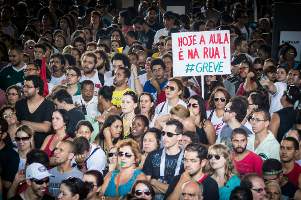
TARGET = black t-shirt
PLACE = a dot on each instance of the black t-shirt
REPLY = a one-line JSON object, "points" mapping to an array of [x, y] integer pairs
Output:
{"points": [[45, 197], [289, 190], [209, 184], [147, 39], [156, 26], [9, 161], [41, 114], [76, 114]]}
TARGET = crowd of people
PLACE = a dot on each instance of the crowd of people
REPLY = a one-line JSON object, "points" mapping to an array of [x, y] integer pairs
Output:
{"points": [[90, 108]]}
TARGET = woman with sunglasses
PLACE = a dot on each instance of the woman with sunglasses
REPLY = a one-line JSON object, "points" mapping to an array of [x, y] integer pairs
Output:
{"points": [[129, 109], [110, 133], [119, 182], [112, 159], [161, 47], [151, 142], [143, 189], [61, 127], [74, 189], [221, 168], [147, 106], [93, 177], [258, 66], [217, 103], [248, 75], [12, 95], [24, 139], [204, 127], [9, 114]]}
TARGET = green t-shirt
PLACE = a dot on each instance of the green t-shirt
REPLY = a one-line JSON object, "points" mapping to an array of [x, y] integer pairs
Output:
{"points": [[9, 75]]}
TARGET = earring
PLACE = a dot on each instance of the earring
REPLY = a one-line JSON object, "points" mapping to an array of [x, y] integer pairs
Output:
{"points": [[65, 127]]}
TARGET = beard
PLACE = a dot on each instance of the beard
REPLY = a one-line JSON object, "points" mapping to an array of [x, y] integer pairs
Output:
{"points": [[88, 71], [118, 83], [54, 69], [100, 66], [239, 150]]}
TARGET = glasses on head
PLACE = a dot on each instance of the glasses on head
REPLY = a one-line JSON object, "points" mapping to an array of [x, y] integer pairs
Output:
{"points": [[217, 156], [139, 192], [222, 99], [29, 70], [18, 139], [226, 110], [27, 86], [160, 43], [169, 134], [9, 114], [112, 154], [126, 154], [257, 120], [41, 182], [172, 88], [194, 105], [157, 70], [259, 69], [260, 190]]}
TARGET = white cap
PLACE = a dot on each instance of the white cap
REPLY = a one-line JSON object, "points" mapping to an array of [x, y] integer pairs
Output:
{"points": [[37, 171]]}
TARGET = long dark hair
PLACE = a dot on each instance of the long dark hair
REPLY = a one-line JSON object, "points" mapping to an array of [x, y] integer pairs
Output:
{"points": [[122, 40], [66, 118], [127, 17], [77, 186], [218, 89], [147, 184], [151, 112], [202, 107]]}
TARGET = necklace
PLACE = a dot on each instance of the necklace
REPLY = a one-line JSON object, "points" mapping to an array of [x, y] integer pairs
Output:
{"points": [[125, 133]]}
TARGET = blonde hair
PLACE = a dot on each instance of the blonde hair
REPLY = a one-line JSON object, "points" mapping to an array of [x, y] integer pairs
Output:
{"points": [[224, 151], [275, 183], [134, 147], [67, 49], [180, 111]]}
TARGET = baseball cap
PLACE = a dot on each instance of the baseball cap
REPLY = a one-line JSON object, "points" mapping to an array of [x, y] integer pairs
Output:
{"points": [[169, 14], [37, 171], [239, 58]]}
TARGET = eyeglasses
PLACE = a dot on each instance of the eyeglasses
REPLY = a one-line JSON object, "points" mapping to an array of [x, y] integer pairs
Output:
{"points": [[160, 43], [139, 192], [194, 105], [112, 154], [14, 94], [52, 62], [210, 156], [8, 115], [157, 70], [260, 190], [259, 69], [27, 86], [72, 75], [29, 70], [190, 160], [295, 75], [257, 120], [18, 139], [169, 134], [126, 154], [172, 88], [222, 99], [226, 110], [40, 182], [290, 53]]}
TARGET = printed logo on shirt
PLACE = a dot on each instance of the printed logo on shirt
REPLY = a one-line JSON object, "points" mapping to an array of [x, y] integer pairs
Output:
{"points": [[8, 76]]}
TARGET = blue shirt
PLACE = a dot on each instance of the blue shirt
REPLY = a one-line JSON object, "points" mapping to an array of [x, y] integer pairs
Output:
{"points": [[148, 87], [225, 192]]}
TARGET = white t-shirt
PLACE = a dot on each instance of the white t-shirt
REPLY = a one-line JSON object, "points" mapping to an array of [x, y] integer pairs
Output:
{"points": [[95, 80], [57, 81], [160, 32], [218, 123], [91, 106], [275, 98], [245, 32]]}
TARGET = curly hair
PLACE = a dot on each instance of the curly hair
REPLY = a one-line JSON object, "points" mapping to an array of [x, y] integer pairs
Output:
{"points": [[134, 147], [211, 98]]}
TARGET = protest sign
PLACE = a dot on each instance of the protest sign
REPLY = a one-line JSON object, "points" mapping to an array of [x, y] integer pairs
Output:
{"points": [[201, 53]]}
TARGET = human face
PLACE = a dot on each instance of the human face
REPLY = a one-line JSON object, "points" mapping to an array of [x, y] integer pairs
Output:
{"points": [[263, 55], [79, 46], [71, 77], [172, 94], [63, 24], [244, 70], [56, 65], [169, 142], [217, 164], [29, 90], [25, 60], [37, 189], [287, 151], [161, 46], [59, 42], [168, 64], [10, 116], [88, 64], [117, 64], [57, 121], [38, 53], [190, 191], [128, 39], [116, 129], [112, 158], [115, 36], [138, 127], [235, 69], [194, 109], [133, 59], [192, 163], [115, 45], [120, 20], [127, 162], [209, 25], [227, 115], [87, 92], [202, 27], [243, 19], [12, 96], [259, 126], [158, 71], [96, 189], [290, 55], [91, 48], [119, 78], [281, 75], [151, 16], [127, 104], [24, 143], [145, 103], [100, 61], [65, 193], [150, 142], [244, 47], [61, 153], [14, 57], [293, 77], [95, 19], [209, 79], [168, 22], [57, 104], [239, 143], [185, 141], [168, 45], [46, 20], [88, 34], [139, 28], [75, 54], [142, 187], [219, 104], [273, 192], [258, 184], [271, 76], [259, 70], [84, 131]]}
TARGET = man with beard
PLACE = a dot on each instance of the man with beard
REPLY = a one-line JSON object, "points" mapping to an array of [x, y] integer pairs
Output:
{"points": [[288, 151], [89, 61], [151, 15], [245, 161], [195, 158], [146, 34], [35, 111], [57, 63], [37, 180], [13, 73], [103, 66]]}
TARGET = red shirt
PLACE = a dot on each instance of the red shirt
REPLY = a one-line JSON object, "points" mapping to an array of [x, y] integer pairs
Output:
{"points": [[293, 176], [250, 164]]}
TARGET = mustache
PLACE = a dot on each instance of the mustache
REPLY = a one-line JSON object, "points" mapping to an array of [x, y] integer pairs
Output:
{"points": [[55, 68]]}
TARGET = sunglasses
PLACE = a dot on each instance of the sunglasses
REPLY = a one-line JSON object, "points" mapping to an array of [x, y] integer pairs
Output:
{"points": [[172, 88], [7, 115], [160, 43], [126, 154], [222, 99], [226, 110], [139, 192], [112, 154], [169, 134], [260, 190], [217, 157], [259, 69], [194, 105], [22, 138], [40, 182]]}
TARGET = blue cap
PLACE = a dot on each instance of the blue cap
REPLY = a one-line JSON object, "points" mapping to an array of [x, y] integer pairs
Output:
{"points": [[169, 14]]}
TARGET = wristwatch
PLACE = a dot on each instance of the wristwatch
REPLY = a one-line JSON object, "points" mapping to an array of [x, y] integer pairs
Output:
{"points": [[79, 166]]}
